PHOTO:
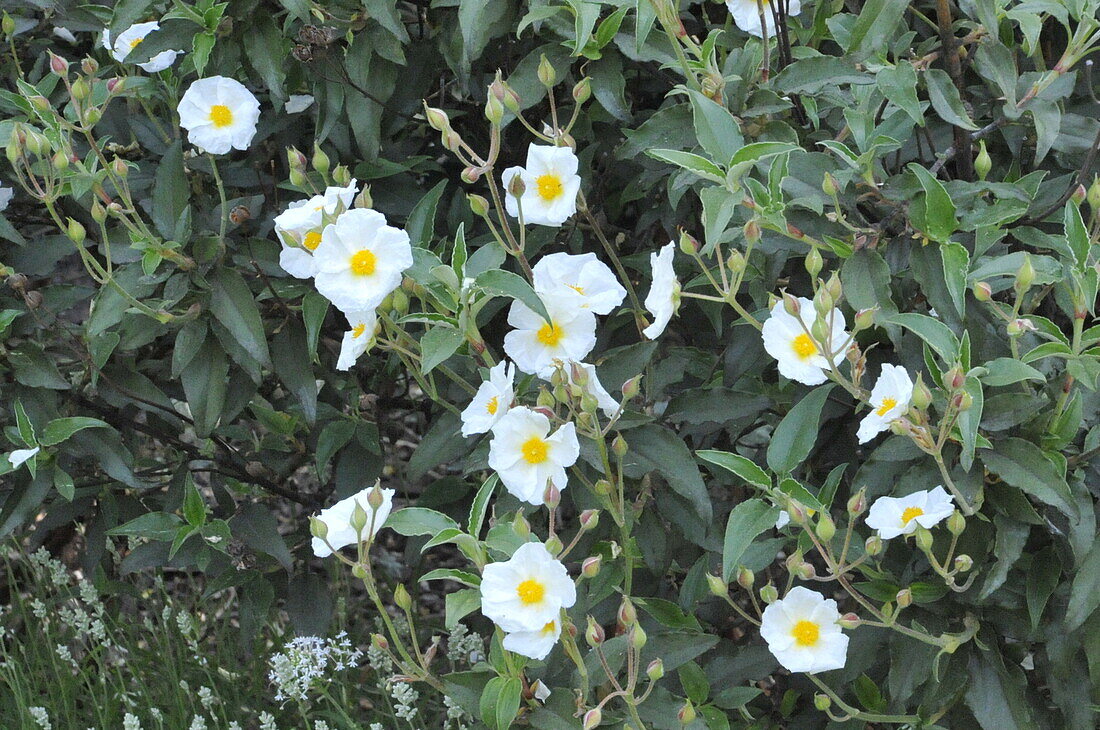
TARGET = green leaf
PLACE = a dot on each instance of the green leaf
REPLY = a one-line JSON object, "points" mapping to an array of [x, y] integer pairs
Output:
{"points": [[500, 702], [460, 604], [419, 521], [160, 526], [24, 425], [500, 283], [1023, 465], [761, 150], [1077, 235], [204, 383], [697, 164], [256, 526], [171, 193], [63, 483], [194, 509], [798, 492], [421, 222], [739, 465], [1084, 593], [899, 85], [292, 363], [1006, 371], [956, 267], [438, 344], [480, 506], [1042, 579], [60, 429], [875, 26], [718, 131], [795, 436], [939, 210], [945, 99], [938, 335], [201, 47], [656, 448], [232, 304], [746, 522], [460, 576]]}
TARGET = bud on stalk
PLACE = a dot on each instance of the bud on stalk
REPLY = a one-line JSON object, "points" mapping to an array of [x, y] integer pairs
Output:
{"points": [[58, 65], [594, 633], [589, 519], [546, 73], [320, 160], [717, 585], [982, 163], [592, 719], [402, 598], [814, 261], [590, 568]]}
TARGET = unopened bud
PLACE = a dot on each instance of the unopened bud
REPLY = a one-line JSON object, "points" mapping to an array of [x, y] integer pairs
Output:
{"points": [[295, 159], [80, 89], [589, 519], [58, 65], [75, 231], [849, 621], [826, 528], [822, 701], [99, 213], [471, 175], [922, 396], [60, 161], [655, 670], [638, 637], [437, 119], [402, 598], [954, 378], [478, 204], [769, 594], [982, 163], [297, 178], [320, 161], [318, 528], [628, 615], [451, 140], [794, 231], [1079, 194], [982, 291], [115, 85], [686, 715], [546, 73], [745, 578], [494, 110], [520, 526], [814, 261], [551, 497], [632, 387], [688, 244], [924, 539], [359, 518], [590, 567], [583, 90], [553, 545], [820, 330], [120, 168], [956, 523], [516, 186], [592, 719], [594, 633], [375, 498], [341, 175], [790, 304], [963, 563], [828, 185], [736, 262], [857, 503], [805, 571], [963, 401], [717, 586], [511, 100], [619, 446], [1025, 275], [873, 546], [7, 25], [904, 598], [865, 318], [1093, 196], [379, 642], [834, 287], [752, 231]]}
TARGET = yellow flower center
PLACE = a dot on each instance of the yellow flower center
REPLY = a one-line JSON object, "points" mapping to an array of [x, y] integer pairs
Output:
{"points": [[550, 335], [804, 347], [578, 289], [806, 633], [910, 513], [311, 241], [363, 263], [221, 115], [492, 405], [535, 450], [358, 330], [887, 404], [549, 628], [549, 186], [135, 43], [530, 591]]}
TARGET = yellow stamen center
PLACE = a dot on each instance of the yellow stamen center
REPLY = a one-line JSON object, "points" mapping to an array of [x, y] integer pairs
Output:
{"points": [[530, 591], [135, 43], [311, 241], [806, 633], [492, 405], [221, 115], [549, 187], [910, 513], [887, 404], [363, 263], [804, 347], [578, 289], [549, 628], [358, 330], [535, 450], [550, 335]]}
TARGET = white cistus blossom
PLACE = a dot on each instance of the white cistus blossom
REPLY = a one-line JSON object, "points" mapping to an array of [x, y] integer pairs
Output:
{"points": [[803, 632], [799, 357], [492, 400], [593, 387], [894, 516], [219, 114], [526, 592], [299, 227], [746, 15], [535, 344], [527, 457], [307, 661], [122, 46], [360, 260], [534, 644], [550, 183], [338, 519], [578, 282], [357, 339], [889, 401], [664, 294]]}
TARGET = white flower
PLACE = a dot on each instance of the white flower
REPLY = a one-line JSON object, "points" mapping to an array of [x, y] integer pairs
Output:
{"points": [[534, 644], [798, 355], [298, 103], [535, 344], [6, 194], [527, 456], [20, 456], [299, 227], [802, 632], [664, 295], [782, 520], [492, 400], [527, 591], [746, 14], [540, 691], [360, 260], [219, 114], [893, 516], [595, 388], [578, 281], [64, 34], [358, 339], [130, 39], [338, 520], [889, 401], [550, 183]]}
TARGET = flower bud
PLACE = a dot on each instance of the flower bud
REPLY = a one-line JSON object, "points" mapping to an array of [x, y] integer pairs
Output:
{"points": [[320, 161], [717, 585], [735, 262], [590, 568], [511, 99], [922, 396], [982, 291], [359, 518], [592, 719], [451, 140], [295, 159], [956, 523], [551, 497], [318, 528], [814, 261], [963, 563], [819, 330], [1093, 196], [75, 231], [402, 598], [33, 299], [297, 178], [478, 204], [114, 209], [963, 401], [60, 161], [589, 519], [873, 546], [546, 73], [865, 319], [954, 378], [583, 90], [80, 89], [553, 545], [982, 163], [655, 670], [437, 119], [638, 637], [7, 25], [471, 175], [828, 186], [904, 598], [790, 304], [516, 186], [834, 287], [594, 633], [58, 65], [688, 244], [795, 232], [826, 528], [822, 701], [375, 498], [341, 175], [92, 115], [494, 109], [752, 231], [805, 571], [1079, 194], [619, 446], [520, 526], [769, 594], [118, 165], [849, 621], [857, 503], [924, 539], [115, 84], [686, 715], [1025, 275], [632, 387], [379, 642], [99, 213]]}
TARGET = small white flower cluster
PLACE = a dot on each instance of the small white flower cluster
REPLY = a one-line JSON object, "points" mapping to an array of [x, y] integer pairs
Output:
{"points": [[464, 646], [456, 715], [41, 717], [56, 571], [307, 659], [267, 721], [404, 697], [198, 722], [131, 722]]}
